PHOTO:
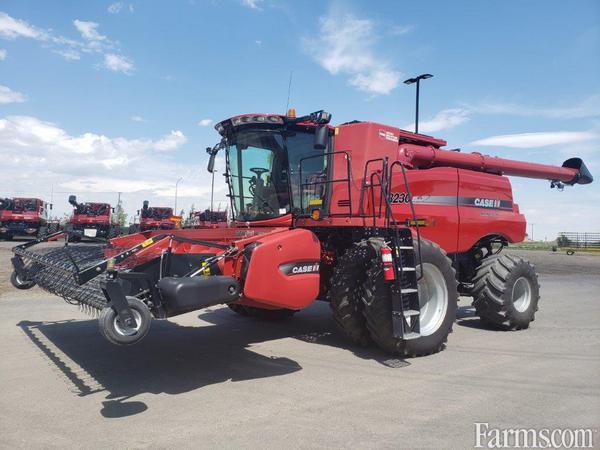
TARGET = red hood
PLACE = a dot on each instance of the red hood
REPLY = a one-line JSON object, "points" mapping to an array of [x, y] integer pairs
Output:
{"points": [[81, 218], [19, 215]]}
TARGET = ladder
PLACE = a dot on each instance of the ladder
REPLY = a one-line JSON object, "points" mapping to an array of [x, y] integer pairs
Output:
{"points": [[404, 290]]}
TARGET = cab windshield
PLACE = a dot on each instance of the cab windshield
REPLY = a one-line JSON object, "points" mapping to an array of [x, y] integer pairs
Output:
{"points": [[264, 172]]}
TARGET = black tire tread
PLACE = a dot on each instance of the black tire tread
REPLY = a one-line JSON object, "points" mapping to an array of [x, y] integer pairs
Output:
{"points": [[490, 292], [345, 292], [378, 310]]}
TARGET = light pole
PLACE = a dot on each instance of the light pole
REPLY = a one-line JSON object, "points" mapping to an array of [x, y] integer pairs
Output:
{"points": [[212, 191], [417, 80], [176, 186]]}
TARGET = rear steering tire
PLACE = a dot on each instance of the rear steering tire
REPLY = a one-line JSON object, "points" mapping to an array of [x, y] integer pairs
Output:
{"points": [[506, 292], [116, 332], [18, 282], [438, 299]]}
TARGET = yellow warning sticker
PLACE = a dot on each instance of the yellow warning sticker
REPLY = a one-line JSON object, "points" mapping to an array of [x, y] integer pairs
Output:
{"points": [[316, 201], [147, 242]]}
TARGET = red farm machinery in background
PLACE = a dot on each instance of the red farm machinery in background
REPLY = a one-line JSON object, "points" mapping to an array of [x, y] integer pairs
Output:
{"points": [[384, 224], [26, 217], [154, 218], [208, 219], [92, 221]]}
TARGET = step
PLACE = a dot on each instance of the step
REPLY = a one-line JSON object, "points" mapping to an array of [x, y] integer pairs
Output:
{"points": [[406, 247], [408, 291], [411, 312], [409, 336], [407, 269]]}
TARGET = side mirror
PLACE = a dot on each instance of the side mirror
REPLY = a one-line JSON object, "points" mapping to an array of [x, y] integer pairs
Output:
{"points": [[50, 205], [112, 209], [145, 205], [211, 161], [138, 212], [73, 200], [321, 137]]}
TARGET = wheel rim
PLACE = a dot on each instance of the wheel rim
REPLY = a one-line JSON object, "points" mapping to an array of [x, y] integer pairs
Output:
{"points": [[433, 299], [521, 294], [20, 281], [123, 331]]}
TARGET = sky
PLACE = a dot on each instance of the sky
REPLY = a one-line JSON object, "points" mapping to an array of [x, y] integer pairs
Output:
{"points": [[101, 97]]}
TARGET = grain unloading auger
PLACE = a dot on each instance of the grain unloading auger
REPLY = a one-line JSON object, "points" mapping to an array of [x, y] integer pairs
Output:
{"points": [[383, 224]]}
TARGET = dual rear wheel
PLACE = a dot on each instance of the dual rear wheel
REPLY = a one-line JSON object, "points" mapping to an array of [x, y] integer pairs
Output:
{"points": [[361, 303], [505, 296]]}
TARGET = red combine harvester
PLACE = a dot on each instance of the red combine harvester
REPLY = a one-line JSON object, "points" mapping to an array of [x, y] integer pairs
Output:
{"points": [[382, 223], [153, 218], [92, 221], [208, 219], [23, 217]]}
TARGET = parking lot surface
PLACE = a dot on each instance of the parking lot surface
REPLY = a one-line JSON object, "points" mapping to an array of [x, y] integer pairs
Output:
{"points": [[215, 379]]}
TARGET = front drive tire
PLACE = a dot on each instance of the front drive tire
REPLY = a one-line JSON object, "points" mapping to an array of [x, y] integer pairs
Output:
{"points": [[112, 329], [17, 282], [506, 292], [345, 292], [438, 298]]}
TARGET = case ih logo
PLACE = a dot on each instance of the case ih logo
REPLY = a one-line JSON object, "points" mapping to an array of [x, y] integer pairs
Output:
{"points": [[486, 203], [300, 268]]}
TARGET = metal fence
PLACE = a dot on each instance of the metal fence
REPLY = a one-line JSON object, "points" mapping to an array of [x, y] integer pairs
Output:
{"points": [[578, 240]]}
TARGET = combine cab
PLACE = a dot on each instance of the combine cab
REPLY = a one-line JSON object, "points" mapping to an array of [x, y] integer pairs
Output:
{"points": [[208, 219], [154, 218], [383, 224], [23, 217], [92, 221]]}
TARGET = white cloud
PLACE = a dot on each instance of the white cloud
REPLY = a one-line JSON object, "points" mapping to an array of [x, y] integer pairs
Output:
{"points": [[399, 30], [205, 122], [37, 154], [170, 142], [69, 54], [443, 120], [137, 119], [92, 42], [11, 28], [118, 63], [252, 4], [88, 30], [3, 54], [535, 140], [115, 8], [7, 95], [589, 107], [345, 45]]}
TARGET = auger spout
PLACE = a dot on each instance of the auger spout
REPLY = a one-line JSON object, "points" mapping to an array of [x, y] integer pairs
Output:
{"points": [[573, 170]]}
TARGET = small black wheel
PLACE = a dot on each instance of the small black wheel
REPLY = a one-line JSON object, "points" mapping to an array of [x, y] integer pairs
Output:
{"points": [[113, 232], [570, 252], [42, 232], [438, 300], [506, 292], [116, 332], [18, 282]]}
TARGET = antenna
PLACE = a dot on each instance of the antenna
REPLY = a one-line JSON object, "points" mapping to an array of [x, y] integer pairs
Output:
{"points": [[287, 105]]}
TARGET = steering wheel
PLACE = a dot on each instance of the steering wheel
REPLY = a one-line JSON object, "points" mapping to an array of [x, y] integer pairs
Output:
{"points": [[259, 171]]}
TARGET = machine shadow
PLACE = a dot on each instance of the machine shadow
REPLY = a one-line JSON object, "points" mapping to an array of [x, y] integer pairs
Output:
{"points": [[465, 317], [175, 359], [172, 359]]}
